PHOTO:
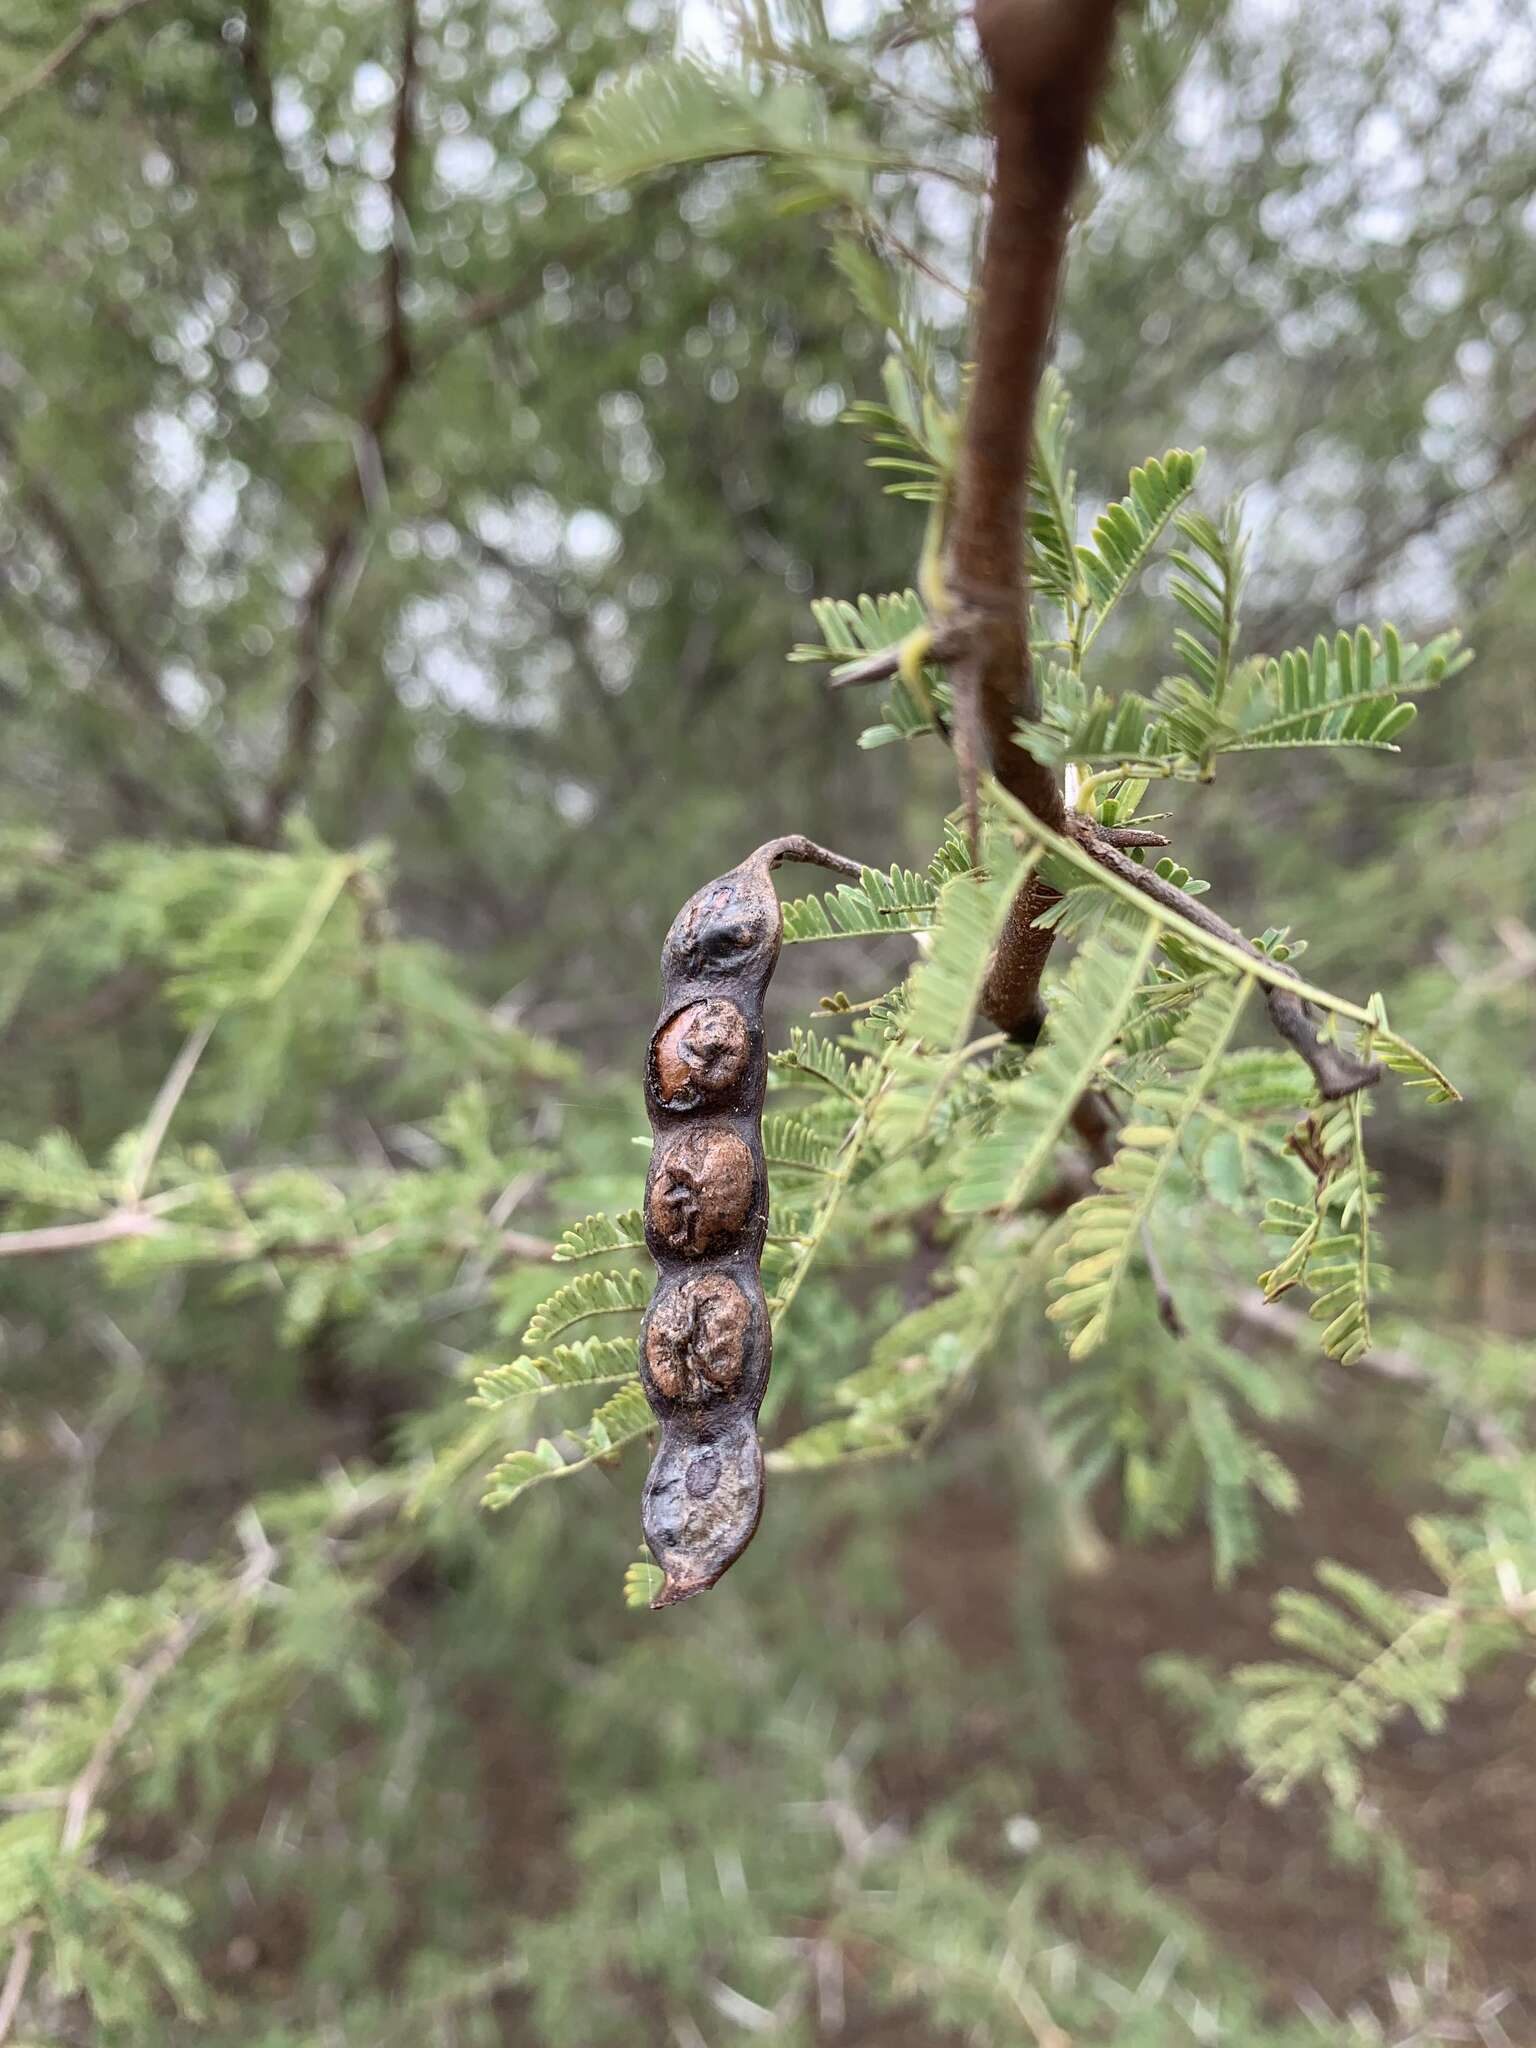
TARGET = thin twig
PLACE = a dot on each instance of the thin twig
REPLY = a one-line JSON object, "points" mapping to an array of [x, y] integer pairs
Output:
{"points": [[1337, 1071], [16, 1976], [158, 1122], [79, 1237], [93, 23], [234, 1246]]}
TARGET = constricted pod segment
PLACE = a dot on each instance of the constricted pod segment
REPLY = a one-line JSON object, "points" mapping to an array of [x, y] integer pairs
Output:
{"points": [[705, 1345]]}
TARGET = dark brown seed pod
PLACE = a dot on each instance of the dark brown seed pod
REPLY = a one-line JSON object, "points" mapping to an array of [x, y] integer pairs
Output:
{"points": [[705, 1347]]}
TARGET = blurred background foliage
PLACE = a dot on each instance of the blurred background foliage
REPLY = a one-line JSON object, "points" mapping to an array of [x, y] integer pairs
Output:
{"points": [[399, 553]]}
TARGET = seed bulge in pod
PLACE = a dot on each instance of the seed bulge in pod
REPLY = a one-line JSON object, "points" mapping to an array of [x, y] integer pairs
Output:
{"points": [[702, 1192], [729, 929], [701, 1054], [695, 1342], [701, 1505]]}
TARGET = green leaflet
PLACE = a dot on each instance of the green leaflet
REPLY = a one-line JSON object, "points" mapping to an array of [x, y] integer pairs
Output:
{"points": [[595, 1361], [790, 1143], [1053, 499], [999, 1169], [596, 1234], [1094, 728], [822, 1063], [1105, 1229], [1372, 1655], [1346, 693], [1125, 533], [642, 1582], [1328, 698], [1417, 1068], [873, 907], [871, 626], [588, 1294], [1332, 1249], [1209, 588], [621, 1420], [913, 422], [681, 112], [946, 987]]}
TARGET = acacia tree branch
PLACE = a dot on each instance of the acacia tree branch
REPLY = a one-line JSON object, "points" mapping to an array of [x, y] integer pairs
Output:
{"points": [[1047, 60], [346, 521], [94, 22], [1336, 1071]]}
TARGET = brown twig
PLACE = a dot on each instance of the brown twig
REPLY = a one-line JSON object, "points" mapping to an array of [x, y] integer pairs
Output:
{"points": [[1047, 60], [346, 522], [93, 23], [1337, 1072]]}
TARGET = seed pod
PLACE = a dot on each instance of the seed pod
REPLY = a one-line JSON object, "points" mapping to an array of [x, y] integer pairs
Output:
{"points": [[705, 1346]]}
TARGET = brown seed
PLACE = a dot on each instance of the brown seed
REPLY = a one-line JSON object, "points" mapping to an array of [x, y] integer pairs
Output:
{"points": [[702, 1191], [695, 1342], [701, 1053]]}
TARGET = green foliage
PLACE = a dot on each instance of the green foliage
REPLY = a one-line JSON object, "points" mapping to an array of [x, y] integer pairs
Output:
{"points": [[1367, 1656], [594, 1361], [1106, 1228], [791, 1144], [596, 1235], [946, 984], [1332, 1249], [914, 421], [589, 1294], [1125, 533], [622, 1419], [659, 116], [873, 907], [1174, 1419], [285, 1144], [1089, 1007]]}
